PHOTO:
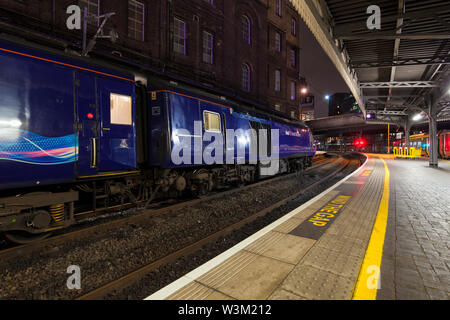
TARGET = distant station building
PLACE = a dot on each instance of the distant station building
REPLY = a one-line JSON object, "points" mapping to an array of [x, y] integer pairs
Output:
{"points": [[342, 103], [247, 50], [307, 108]]}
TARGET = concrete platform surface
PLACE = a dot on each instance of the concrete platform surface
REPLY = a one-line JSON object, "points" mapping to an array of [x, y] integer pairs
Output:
{"points": [[381, 233]]}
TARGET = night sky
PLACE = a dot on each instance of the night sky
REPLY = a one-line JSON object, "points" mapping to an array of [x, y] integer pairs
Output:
{"points": [[319, 71]]}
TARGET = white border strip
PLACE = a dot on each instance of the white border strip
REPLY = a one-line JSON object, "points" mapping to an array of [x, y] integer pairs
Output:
{"points": [[211, 264]]}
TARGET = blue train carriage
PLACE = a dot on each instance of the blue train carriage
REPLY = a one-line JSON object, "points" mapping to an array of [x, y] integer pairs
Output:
{"points": [[179, 120], [61, 121]]}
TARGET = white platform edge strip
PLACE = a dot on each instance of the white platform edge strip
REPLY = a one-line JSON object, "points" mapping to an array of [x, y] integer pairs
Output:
{"points": [[211, 264]]}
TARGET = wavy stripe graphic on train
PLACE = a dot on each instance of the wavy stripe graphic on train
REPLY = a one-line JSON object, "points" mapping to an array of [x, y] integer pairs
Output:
{"points": [[28, 147]]}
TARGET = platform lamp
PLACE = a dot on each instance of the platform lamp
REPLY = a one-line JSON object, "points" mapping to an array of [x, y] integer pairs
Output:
{"points": [[303, 92]]}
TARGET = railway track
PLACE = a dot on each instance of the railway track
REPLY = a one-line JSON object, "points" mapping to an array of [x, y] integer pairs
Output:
{"points": [[58, 240], [133, 277]]}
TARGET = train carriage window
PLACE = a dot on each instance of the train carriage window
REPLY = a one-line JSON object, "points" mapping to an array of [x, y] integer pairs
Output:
{"points": [[121, 109], [211, 121]]}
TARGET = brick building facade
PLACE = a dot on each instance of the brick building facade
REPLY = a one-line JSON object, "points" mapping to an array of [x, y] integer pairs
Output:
{"points": [[248, 49]]}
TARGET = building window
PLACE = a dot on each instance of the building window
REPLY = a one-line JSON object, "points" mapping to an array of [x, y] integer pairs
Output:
{"points": [[278, 107], [277, 80], [93, 9], [121, 109], [179, 36], [208, 44], [307, 115], [246, 77], [278, 7], [278, 41], [294, 27], [246, 29], [293, 58], [136, 20], [293, 114], [293, 90]]}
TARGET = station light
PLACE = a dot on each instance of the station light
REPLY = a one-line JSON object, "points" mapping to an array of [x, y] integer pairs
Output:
{"points": [[304, 91], [417, 117], [327, 97], [15, 123], [369, 116]]}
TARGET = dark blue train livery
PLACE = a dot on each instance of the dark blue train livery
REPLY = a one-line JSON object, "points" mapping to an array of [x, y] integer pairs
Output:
{"points": [[74, 131]]}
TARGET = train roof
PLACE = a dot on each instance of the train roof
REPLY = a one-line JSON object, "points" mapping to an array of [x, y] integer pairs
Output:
{"points": [[168, 85]]}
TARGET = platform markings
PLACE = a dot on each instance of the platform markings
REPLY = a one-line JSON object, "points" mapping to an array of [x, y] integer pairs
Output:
{"points": [[368, 282], [192, 276], [319, 222]]}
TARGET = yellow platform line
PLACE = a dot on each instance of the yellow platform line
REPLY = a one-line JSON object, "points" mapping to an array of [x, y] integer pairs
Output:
{"points": [[368, 282]]}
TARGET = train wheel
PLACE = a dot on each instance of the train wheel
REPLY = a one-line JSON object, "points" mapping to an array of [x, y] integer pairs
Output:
{"points": [[25, 237]]}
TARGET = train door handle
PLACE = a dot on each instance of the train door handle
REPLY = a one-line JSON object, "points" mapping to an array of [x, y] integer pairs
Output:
{"points": [[93, 152]]}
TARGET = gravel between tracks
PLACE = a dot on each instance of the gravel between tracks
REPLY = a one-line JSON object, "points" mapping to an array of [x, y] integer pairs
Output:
{"points": [[106, 257]]}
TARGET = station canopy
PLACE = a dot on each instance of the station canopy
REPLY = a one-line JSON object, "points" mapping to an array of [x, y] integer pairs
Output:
{"points": [[394, 72]]}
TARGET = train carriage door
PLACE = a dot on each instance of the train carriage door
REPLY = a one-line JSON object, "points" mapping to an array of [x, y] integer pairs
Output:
{"points": [[86, 124], [117, 132], [212, 123]]}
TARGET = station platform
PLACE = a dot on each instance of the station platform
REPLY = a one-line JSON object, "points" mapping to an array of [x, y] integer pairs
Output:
{"points": [[381, 233]]}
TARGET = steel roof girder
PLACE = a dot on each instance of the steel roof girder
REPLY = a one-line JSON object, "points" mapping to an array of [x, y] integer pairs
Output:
{"points": [[394, 36], [398, 84], [401, 62], [388, 112]]}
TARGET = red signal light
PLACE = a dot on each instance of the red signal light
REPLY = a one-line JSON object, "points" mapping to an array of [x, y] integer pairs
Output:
{"points": [[360, 143], [90, 116]]}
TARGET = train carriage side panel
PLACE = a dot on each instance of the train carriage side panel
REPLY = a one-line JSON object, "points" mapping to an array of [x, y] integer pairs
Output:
{"points": [[444, 147], [184, 111], [447, 145], [172, 119], [294, 141], [38, 143], [240, 124]]}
